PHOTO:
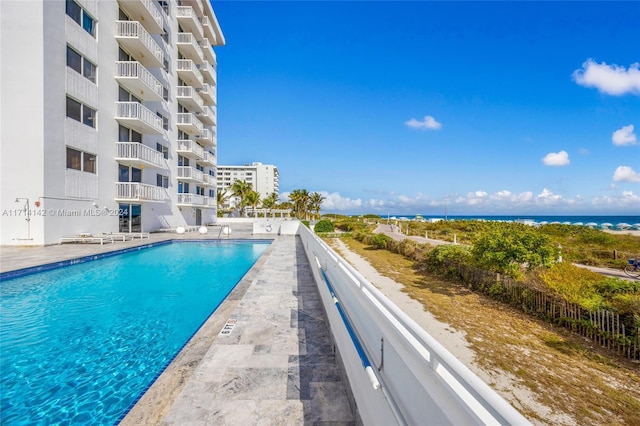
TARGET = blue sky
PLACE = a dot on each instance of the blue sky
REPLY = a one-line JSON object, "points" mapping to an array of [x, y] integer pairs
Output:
{"points": [[490, 107]]}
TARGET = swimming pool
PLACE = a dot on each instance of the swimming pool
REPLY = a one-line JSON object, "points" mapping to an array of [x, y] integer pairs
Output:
{"points": [[81, 343]]}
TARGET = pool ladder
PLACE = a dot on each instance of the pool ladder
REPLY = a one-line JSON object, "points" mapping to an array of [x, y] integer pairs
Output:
{"points": [[221, 229]]}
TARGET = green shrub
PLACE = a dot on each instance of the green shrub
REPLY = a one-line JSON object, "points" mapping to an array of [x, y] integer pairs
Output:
{"points": [[380, 241], [324, 226], [510, 248], [305, 223]]}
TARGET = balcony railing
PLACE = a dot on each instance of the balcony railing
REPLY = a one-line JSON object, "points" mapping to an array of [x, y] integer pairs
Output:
{"points": [[190, 149], [133, 76], [190, 173], [139, 43], [208, 158], [190, 200], [208, 52], [189, 97], [208, 94], [208, 72], [188, 122], [135, 153], [189, 21], [206, 137], [189, 47], [138, 117], [195, 4], [207, 26], [210, 202], [134, 191], [207, 116], [209, 180], [146, 12], [189, 73]]}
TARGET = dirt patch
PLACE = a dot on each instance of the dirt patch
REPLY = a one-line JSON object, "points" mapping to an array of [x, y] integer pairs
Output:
{"points": [[552, 376]]}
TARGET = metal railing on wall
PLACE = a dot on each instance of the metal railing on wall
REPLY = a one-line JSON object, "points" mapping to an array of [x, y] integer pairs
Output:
{"points": [[420, 382]]}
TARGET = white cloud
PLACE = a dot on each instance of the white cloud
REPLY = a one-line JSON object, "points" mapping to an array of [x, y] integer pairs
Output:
{"points": [[624, 136], [427, 123], [556, 159], [548, 197], [626, 199], [609, 79], [336, 202], [626, 174]]}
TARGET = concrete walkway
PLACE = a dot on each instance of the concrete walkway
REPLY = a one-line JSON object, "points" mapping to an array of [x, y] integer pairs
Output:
{"points": [[264, 357]]}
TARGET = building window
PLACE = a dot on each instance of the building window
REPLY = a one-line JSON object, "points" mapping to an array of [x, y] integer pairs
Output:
{"points": [[74, 109], [165, 121], [80, 160], [164, 5], [81, 112], [126, 134], [163, 149], [81, 17], [165, 93], [81, 64], [162, 181]]}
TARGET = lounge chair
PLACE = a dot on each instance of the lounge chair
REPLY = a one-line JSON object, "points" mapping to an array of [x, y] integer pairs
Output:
{"points": [[87, 238]]}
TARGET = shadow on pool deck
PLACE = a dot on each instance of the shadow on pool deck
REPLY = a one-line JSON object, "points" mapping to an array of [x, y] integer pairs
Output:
{"points": [[275, 366]]}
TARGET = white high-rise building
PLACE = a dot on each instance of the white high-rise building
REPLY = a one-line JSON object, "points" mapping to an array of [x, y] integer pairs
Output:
{"points": [[264, 178], [108, 117]]}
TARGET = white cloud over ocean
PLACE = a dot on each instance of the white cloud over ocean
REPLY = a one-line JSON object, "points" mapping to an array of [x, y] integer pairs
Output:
{"points": [[427, 123], [545, 201], [556, 159], [610, 79], [624, 136]]}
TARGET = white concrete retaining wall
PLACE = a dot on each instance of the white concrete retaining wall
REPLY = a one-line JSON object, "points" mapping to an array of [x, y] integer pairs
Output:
{"points": [[419, 381]]}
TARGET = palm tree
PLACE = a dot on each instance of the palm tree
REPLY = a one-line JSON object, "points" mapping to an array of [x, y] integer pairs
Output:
{"points": [[222, 196], [252, 198], [300, 200], [240, 189], [315, 202], [271, 201]]}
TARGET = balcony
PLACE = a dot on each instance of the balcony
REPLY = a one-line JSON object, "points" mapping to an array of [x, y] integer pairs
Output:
{"points": [[139, 118], [205, 137], [189, 47], [190, 174], [207, 116], [135, 192], [138, 155], [209, 159], [209, 180], [208, 94], [189, 21], [134, 77], [187, 122], [191, 200], [138, 42], [190, 149], [195, 4], [189, 98], [208, 52], [207, 26], [189, 73], [208, 73], [144, 11]]}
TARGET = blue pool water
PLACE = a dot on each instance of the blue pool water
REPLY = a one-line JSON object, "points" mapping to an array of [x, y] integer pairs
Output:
{"points": [[80, 344]]}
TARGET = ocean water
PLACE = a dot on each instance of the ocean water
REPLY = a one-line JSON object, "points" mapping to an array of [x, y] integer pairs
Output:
{"points": [[81, 343], [597, 220]]}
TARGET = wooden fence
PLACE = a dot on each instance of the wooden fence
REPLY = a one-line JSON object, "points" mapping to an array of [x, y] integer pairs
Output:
{"points": [[604, 327]]}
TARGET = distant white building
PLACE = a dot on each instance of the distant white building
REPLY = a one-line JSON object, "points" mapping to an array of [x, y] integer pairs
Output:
{"points": [[264, 179], [108, 117]]}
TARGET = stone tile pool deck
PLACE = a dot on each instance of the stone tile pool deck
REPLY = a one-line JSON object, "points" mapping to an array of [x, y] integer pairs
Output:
{"points": [[264, 357]]}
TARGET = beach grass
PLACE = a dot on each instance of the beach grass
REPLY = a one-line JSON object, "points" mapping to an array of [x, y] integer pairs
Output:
{"points": [[579, 382]]}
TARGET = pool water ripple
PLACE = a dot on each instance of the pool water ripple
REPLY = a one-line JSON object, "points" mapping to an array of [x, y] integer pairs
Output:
{"points": [[80, 343]]}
